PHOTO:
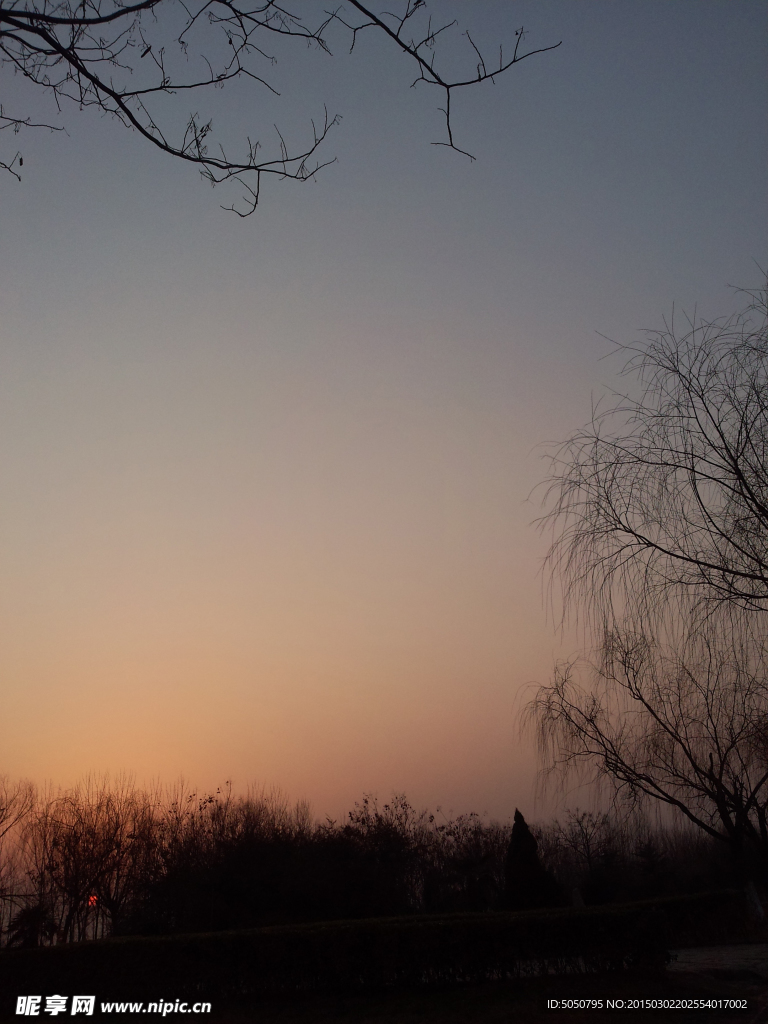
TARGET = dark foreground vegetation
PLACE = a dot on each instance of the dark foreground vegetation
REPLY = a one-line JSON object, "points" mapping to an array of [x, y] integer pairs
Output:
{"points": [[380, 953], [113, 860], [422, 967], [115, 891]]}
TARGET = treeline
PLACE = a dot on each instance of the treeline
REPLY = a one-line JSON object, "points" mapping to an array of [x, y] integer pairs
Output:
{"points": [[109, 858]]}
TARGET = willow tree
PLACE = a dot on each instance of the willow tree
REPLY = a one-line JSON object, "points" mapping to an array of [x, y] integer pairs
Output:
{"points": [[684, 725], [660, 516], [662, 500]]}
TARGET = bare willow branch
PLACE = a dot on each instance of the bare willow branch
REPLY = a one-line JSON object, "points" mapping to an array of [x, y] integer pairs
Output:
{"points": [[684, 725], [662, 501], [659, 512]]}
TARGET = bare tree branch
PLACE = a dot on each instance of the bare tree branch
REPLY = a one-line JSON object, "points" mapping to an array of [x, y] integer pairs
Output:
{"points": [[683, 725], [662, 501], [60, 46], [660, 533], [16, 124]]}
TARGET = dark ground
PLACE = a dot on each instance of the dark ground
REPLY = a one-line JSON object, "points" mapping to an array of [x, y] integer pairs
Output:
{"points": [[527, 1002], [733, 972], [522, 1002]]}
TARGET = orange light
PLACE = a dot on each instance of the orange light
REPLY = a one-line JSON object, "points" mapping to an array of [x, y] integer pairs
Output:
{"points": [[92, 901]]}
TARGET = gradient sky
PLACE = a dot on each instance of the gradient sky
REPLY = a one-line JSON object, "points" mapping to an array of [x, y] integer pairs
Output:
{"points": [[263, 511]]}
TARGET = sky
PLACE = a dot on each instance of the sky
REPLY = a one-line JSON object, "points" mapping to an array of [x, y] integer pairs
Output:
{"points": [[266, 484]]}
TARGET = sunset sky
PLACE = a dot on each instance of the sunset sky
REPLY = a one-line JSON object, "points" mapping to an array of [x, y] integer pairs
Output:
{"points": [[264, 499]]}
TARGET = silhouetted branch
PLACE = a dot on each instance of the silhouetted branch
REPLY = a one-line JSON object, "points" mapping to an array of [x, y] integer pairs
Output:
{"points": [[61, 46], [684, 725], [16, 124], [662, 501], [426, 64]]}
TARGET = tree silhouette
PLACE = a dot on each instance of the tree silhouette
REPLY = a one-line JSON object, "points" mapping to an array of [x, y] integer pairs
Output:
{"points": [[528, 883], [660, 505], [126, 59], [660, 514], [684, 724]]}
